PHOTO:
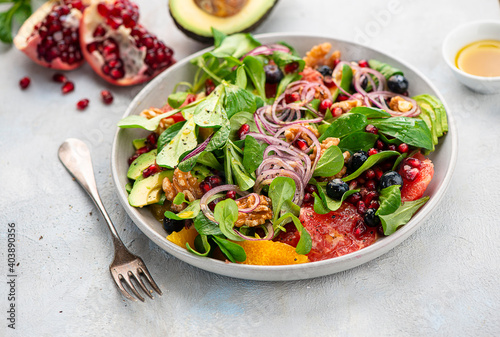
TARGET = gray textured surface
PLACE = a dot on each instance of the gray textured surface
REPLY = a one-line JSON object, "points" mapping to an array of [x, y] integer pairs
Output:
{"points": [[443, 280]]}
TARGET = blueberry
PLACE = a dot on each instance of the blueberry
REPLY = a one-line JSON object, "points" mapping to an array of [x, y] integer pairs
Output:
{"points": [[336, 188], [273, 73], [325, 70], [390, 178], [171, 225], [371, 220], [398, 84], [356, 160]]}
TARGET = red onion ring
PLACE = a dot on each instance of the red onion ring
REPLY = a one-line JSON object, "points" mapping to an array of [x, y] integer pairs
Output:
{"points": [[253, 207], [268, 228], [222, 188]]}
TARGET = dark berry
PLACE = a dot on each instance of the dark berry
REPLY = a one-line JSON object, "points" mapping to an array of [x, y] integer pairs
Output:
{"points": [[243, 130], [379, 144], [152, 139], [397, 84], [371, 220], [24, 82], [273, 73], [356, 160], [171, 225], [390, 178], [325, 70], [336, 188]]}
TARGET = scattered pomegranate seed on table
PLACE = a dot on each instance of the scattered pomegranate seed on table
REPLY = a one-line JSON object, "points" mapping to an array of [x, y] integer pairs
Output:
{"points": [[82, 104], [59, 78], [67, 87], [24, 82], [107, 97]]}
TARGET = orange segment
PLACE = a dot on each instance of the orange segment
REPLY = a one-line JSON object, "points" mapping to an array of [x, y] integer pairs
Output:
{"points": [[185, 235], [269, 253]]}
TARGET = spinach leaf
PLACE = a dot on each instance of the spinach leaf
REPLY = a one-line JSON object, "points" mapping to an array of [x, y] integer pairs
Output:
{"points": [[253, 154], [370, 112], [208, 159], [237, 120], [241, 78], [305, 242], [384, 68], [226, 214], [391, 222], [390, 200], [169, 134], [282, 59], [140, 122], [20, 11], [330, 163], [237, 100], [243, 180], [211, 112], [204, 226], [372, 160], [190, 212], [185, 140], [176, 99], [323, 203], [233, 251], [218, 37], [345, 82], [235, 45], [409, 130], [356, 141], [345, 125], [281, 191], [201, 245], [255, 71]]}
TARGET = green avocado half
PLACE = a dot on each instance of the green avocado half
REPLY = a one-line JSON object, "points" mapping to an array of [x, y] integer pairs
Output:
{"points": [[197, 23]]}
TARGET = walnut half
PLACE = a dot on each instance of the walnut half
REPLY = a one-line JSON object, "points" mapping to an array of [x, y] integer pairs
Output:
{"points": [[182, 182], [258, 216]]}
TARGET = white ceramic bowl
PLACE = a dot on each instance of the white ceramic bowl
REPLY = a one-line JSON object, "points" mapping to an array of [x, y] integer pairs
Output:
{"points": [[464, 35], [155, 94]]}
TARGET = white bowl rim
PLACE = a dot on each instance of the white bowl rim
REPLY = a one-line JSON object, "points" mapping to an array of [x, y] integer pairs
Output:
{"points": [[451, 36], [232, 269]]}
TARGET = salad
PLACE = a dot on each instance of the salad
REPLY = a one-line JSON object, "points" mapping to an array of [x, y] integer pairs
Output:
{"points": [[267, 157]]}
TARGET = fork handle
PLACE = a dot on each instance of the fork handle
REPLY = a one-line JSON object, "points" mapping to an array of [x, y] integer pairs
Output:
{"points": [[75, 156]]}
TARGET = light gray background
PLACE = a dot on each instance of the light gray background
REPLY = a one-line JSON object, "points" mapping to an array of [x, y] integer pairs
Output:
{"points": [[443, 280]]}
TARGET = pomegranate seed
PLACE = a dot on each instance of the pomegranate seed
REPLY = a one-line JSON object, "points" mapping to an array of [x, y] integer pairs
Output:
{"points": [[292, 97], [230, 195], [403, 148], [335, 63], [103, 10], [337, 112], [413, 162], [363, 64], [341, 98], [82, 104], [353, 185], [370, 174], [24, 82], [142, 150], [380, 145], [212, 204], [209, 86], [371, 129], [59, 78], [205, 187], [354, 198], [213, 181], [152, 139], [150, 170], [411, 174], [369, 197], [325, 104], [291, 67], [300, 144], [308, 198], [243, 130], [310, 188], [378, 173], [380, 230], [328, 81], [372, 151], [371, 185], [391, 147], [68, 87], [134, 157], [374, 204], [361, 207], [107, 97], [359, 229]]}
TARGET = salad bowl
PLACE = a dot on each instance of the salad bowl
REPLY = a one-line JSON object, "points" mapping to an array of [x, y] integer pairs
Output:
{"points": [[156, 93]]}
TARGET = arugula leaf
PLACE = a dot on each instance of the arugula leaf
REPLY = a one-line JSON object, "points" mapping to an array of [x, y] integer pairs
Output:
{"points": [[190, 212], [233, 251], [167, 135], [372, 160], [176, 99], [281, 190], [391, 222], [237, 120], [140, 122], [305, 242], [345, 125], [185, 140], [255, 71], [226, 214], [253, 154], [204, 226], [356, 141], [370, 112], [211, 112], [409, 130], [238, 99], [330, 163], [390, 200], [201, 245]]}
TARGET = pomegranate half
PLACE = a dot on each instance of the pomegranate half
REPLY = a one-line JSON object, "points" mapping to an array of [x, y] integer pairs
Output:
{"points": [[117, 47], [50, 36]]}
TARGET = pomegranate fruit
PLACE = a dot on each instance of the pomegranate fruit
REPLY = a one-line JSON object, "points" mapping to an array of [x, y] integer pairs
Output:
{"points": [[50, 36], [117, 47]]}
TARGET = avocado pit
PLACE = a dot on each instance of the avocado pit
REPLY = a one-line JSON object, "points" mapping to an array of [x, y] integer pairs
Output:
{"points": [[221, 8]]}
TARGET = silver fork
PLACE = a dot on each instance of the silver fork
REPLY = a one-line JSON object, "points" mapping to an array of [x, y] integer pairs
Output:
{"points": [[75, 156]]}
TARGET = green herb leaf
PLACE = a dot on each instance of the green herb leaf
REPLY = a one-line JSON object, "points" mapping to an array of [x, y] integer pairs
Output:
{"points": [[226, 214], [235, 45], [140, 122], [253, 154], [208, 159], [390, 200], [281, 190], [237, 100], [370, 112], [324, 204], [201, 245], [391, 222], [211, 112], [282, 59], [218, 37], [176, 99], [237, 120], [409, 130], [233, 251], [185, 140], [305, 242], [179, 199], [384, 68], [190, 212], [255, 71], [345, 125], [372, 160], [243, 180], [241, 77], [169, 134], [204, 226], [356, 141], [6, 23], [330, 163], [345, 82]]}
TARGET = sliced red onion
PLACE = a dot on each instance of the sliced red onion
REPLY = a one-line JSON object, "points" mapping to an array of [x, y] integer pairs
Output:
{"points": [[199, 149], [252, 207], [266, 50], [268, 228], [222, 188], [383, 95]]}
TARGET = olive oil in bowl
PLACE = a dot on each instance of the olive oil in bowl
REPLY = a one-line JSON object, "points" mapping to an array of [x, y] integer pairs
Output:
{"points": [[480, 58]]}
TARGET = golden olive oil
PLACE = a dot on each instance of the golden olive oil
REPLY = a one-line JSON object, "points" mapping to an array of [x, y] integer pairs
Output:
{"points": [[480, 58]]}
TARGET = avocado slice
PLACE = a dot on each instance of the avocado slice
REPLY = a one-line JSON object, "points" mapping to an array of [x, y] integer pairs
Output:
{"points": [[428, 121], [195, 18], [139, 142], [436, 120], [147, 191], [141, 163], [438, 108]]}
